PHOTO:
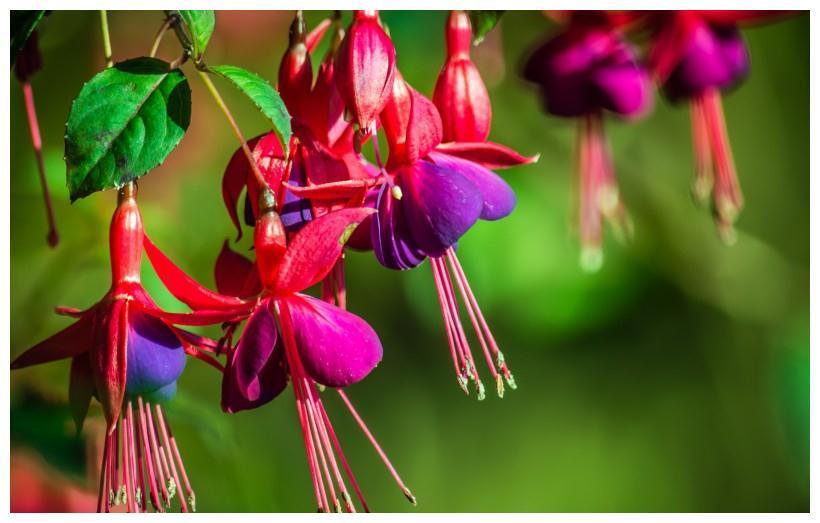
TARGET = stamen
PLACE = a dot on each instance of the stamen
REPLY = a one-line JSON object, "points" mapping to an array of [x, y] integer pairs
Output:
{"points": [[166, 482], [451, 340], [166, 443], [178, 458], [727, 197], [148, 456], [475, 309], [406, 491], [704, 180]]}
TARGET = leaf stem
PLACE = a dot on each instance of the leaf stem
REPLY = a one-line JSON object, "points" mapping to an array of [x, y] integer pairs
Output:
{"points": [[106, 38], [221, 103], [157, 39]]}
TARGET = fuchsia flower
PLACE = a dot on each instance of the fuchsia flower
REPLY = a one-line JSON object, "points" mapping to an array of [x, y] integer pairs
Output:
{"points": [[290, 335], [583, 71], [365, 68], [696, 55], [460, 94], [126, 352]]}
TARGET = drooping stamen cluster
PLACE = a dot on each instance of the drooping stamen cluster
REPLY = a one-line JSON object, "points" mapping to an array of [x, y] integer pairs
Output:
{"points": [[141, 461], [446, 270]]}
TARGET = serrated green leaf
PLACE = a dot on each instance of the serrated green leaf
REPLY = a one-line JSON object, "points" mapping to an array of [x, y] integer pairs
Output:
{"points": [[125, 121], [483, 22], [263, 95], [200, 25], [23, 24]]}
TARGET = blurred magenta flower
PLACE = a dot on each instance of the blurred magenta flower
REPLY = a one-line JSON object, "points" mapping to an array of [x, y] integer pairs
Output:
{"points": [[696, 55], [583, 71]]}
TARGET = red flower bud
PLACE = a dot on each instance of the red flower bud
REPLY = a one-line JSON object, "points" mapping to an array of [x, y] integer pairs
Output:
{"points": [[125, 237], [295, 71], [460, 94], [365, 67]]}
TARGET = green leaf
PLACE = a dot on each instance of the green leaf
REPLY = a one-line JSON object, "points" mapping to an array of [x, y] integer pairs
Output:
{"points": [[263, 95], [200, 25], [22, 25], [125, 121], [483, 22]]}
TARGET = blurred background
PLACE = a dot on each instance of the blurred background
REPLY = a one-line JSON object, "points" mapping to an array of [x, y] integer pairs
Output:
{"points": [[675, 379]]}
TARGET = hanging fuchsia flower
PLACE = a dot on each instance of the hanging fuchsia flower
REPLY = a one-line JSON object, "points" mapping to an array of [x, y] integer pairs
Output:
{"points": [[290, 336], [582, 72], [428, 198], [126, 352], [365, 68], [460, 94], [696, 55]]}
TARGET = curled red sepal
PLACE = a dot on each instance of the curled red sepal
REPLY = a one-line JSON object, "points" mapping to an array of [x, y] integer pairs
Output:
{"points": [[183, 287], [490, 155]]}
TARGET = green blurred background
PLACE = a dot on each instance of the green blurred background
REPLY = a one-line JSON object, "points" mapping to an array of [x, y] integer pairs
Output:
{"points": [[675, 379]]}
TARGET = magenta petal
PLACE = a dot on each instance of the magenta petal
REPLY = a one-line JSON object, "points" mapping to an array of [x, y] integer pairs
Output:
{"points": [[255, 371], [253, 351], [439, 204], [499, 198], [337, 347]]}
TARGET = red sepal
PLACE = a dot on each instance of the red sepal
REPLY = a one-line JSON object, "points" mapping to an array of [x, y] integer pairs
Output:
{"points": [[490, 155], [315, 248], [235, 275], [69, 342], [183, 287]]}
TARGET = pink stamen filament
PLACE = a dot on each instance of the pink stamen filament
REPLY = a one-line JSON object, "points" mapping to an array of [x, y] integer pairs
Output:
{"points": [[726, 195], [34, 127], [463, 345], [377, 447], [133, 446], [475, 311], [451, 339]]}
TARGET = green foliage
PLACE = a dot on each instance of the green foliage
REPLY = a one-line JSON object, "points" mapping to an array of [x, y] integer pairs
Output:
{"points": [[483, 22], [200, 25], [124, 122], [23, 24], [262, 94]]}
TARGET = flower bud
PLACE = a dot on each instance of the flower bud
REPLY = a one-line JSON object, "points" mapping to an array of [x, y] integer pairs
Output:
{"points": [[460, 94], [295, 71], [365, 67]]}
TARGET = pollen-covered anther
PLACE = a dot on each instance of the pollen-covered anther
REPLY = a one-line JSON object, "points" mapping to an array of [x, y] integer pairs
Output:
{"points": [[396, 192]]}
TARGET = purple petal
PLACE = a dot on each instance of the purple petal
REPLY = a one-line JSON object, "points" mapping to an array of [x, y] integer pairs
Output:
{"points": [[623, 88], [337, 347], [585, 70], [439, 204], [390, 237], [255, 371], [714, 58], [155, 355], [296, 211], [498, 197]]}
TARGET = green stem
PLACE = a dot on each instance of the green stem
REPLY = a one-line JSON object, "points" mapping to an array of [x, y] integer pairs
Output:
{"points": [[221, 103], [165, 26], [106, 38]]}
